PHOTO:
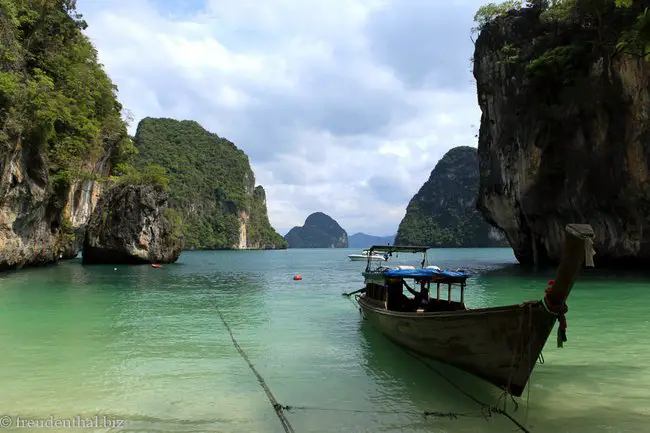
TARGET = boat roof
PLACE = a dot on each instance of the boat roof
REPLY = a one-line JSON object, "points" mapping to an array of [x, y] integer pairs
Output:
{"points": [[428, 274], [398, 249]]}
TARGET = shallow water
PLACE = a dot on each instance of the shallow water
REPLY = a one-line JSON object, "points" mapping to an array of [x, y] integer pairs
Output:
{"points": [[147, 346]]}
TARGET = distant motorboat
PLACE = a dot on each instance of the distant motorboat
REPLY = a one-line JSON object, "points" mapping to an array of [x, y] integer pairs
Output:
{"points": [[364, 257]]}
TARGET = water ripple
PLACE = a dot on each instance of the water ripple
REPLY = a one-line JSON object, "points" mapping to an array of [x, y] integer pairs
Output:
{"points": [[147, 346]]}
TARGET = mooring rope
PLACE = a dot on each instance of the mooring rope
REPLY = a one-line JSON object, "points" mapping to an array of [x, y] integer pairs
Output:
{"points": [[276, 406], [489, 409], [426, 413], [280, 408], [486, 410]]}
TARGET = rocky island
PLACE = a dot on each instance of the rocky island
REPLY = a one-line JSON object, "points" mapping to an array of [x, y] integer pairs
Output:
{"points": [[211, 184], [563, 138], [443, 212], [132, 224], [64, 143], [319, 231]]}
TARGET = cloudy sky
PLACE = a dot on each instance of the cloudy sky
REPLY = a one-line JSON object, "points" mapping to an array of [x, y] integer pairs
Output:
{"points": [[343, 106]]}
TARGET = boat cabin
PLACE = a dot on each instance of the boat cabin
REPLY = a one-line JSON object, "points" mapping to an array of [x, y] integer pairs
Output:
{"points": [[429, 287]]}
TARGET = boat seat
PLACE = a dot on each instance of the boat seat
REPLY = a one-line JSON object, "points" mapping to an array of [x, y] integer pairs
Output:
{"points": [[405, 267]]}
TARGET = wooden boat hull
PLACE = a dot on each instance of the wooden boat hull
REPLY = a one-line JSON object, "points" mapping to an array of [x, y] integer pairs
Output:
{"points": [[500, 345]]}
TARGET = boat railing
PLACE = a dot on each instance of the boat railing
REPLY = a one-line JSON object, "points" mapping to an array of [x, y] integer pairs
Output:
{"points": [[388, 251], [450, 284], [391, 283]]}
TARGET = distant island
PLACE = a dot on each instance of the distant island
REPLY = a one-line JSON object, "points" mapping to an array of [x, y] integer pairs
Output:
{"points": [[362, 240], [443, 212], [318, 231]]}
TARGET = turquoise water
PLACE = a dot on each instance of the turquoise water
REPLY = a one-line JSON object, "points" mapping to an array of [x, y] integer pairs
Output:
{"points": [[147, 346]]}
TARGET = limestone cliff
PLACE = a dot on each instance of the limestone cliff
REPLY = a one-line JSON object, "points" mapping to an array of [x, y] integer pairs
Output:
{"points": [[319, 231], [443, 212], [131, 224], [211, 184], [82, 199], [60, 131], [564, 129]]}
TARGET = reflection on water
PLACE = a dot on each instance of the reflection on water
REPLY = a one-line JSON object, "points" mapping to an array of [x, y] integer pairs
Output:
{"points": [[147, 346], [384, 360]]}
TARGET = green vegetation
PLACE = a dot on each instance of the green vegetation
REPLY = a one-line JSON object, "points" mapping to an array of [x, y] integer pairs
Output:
{"points": [[56, 103], [557, 11], [319, 231], [593, 17], [570, 37], [489, 12], [66, 236], [210, 183], [153, 175], [53, 92], [260, 231], [443, 212], [510, 54], [176, 221], [60, 107], [637, 38], [551, 11]]}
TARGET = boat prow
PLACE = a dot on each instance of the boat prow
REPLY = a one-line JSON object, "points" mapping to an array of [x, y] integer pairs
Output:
{"points": [[498, 344]]}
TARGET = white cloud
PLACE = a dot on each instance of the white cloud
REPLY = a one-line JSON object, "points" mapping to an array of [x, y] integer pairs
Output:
{"points": [[344, 106]]}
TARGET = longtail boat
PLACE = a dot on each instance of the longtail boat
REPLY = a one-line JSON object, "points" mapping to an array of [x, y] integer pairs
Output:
{"points": [[500, 344]]}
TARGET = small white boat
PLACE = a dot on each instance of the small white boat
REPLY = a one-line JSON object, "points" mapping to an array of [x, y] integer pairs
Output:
{"points": [[364, 257]]}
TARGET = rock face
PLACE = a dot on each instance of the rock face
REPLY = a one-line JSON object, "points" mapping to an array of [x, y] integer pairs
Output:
{"points": [[319, 231], [212, 185], [60, 132], [130, 225], [443, 212], [564, 133], [32, 230], [362, 240], [83, 196]]}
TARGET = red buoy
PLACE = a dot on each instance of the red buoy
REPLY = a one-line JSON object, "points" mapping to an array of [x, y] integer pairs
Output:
{"points": [[297, 277]]}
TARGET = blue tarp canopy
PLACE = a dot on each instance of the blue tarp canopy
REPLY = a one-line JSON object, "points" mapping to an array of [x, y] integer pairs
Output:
{"points": [[426, 273]]}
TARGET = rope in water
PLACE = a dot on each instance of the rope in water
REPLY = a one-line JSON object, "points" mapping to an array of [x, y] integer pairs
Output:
{"points": [[426, 413], [279, 408], [486, 407], [276, 406], [486, 412]]}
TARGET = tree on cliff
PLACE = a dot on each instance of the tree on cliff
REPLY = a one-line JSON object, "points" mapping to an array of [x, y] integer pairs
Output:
{"points": [[572, 34], [487, 13], [588, 12]]}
